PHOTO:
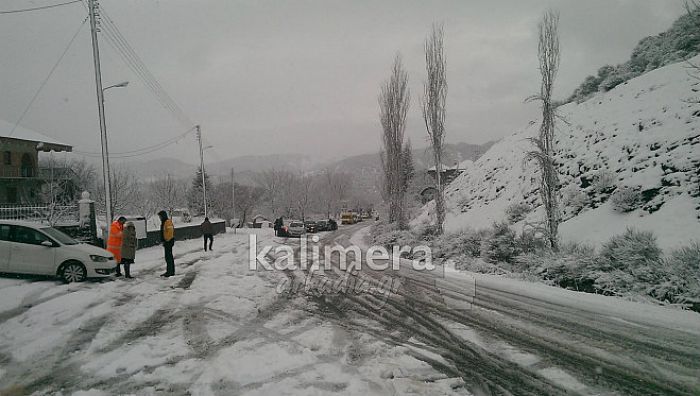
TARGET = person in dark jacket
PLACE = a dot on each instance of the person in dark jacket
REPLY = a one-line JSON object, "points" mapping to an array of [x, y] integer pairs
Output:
{"points": [[279, 223], [208, 232], [129, 242], [167, 237]]}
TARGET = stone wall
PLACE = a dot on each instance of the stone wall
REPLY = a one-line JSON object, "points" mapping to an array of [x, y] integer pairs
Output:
{"points": [[181, 233]]}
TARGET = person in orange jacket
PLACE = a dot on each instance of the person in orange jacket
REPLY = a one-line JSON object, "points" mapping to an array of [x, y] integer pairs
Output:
{"points": [[114, 240]]}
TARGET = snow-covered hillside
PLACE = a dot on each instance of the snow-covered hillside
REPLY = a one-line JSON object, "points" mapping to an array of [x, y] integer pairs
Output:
{"points": [[641, 138]]}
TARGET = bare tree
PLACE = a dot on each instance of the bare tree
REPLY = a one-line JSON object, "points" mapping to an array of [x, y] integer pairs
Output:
{"points": [[145, 203], [167, 192], [435, 95], [271, 181], [247, 198], [221, 200], [85, 175], [329, 178], [303, 194], [124, 191], [394, 100], [548, 54], [407, 167]]}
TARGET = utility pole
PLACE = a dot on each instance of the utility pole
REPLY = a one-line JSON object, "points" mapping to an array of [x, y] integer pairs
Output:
{"points": [[93, 11], [201, 168], [233, 200]]}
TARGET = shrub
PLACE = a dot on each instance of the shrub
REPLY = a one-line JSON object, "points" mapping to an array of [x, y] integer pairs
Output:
{"points": [[516, 212], [530, 241], [625, 199], [567, 270], [463, 243], [389, 235], [573, 201], [683, 266], [500, 246], [631, 250], [604, 181]]}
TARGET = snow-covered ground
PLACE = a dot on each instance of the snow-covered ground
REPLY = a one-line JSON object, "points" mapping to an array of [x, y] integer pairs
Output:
{"points": [[215, 328], [643, 135]]}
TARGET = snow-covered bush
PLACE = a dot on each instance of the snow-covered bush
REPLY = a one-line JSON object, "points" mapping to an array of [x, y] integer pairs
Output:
{"points": [[625, 199], [389, 235], [567, 270], [631, 250], [517, 212], [500, 245], [683, 266], [530, 241], [573, 200], [604, 181], [466, 242]]}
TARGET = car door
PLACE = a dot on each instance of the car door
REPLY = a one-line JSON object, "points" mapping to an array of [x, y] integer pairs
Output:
{"points": [[28, 255], [5, 245]]}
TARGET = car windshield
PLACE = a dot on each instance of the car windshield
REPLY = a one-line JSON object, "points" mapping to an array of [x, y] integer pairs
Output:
{"points": [[59, 236], [295, 224]]}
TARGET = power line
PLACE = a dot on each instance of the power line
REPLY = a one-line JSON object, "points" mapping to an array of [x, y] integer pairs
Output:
{"points": [[119, 43], [39, 8], [141, 151], [48, 77]]}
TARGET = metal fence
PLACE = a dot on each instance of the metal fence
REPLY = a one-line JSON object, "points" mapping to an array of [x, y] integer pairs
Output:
{"points": [[48, 214]]}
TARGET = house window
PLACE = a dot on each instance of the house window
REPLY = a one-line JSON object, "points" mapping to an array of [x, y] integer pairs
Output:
{"points": [[11, 195], [7, 158], [27, 166]]}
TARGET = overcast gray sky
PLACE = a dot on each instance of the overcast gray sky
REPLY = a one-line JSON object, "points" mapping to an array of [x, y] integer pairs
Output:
{"points": [[266, 77]]}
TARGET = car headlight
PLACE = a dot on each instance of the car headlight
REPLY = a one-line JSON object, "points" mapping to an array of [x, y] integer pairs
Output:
{"points": [[99, 259]]}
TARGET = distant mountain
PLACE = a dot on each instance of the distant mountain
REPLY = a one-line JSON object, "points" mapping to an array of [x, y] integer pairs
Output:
{"points": [[365, 167], [422, 157], [256, 163], [158, 167]]}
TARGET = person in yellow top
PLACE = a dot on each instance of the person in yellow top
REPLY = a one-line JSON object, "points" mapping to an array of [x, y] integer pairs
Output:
{"points": [[114, 240], [167, 236]]}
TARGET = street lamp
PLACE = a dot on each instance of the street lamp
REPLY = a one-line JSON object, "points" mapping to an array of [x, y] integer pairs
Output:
{"points": [[120, 85], [105, 156]]}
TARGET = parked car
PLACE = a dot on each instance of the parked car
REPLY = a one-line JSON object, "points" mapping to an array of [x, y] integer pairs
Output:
{"points": [[332, 225], [322, 225], [296, 229], [311, 226], [37, 249]]}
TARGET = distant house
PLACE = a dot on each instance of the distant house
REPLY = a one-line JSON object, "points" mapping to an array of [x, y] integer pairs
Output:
{"points": [[20, 176], [447, 175]]}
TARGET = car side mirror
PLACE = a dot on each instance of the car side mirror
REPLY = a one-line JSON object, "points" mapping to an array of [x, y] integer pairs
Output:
{"points": [[47, 243]]}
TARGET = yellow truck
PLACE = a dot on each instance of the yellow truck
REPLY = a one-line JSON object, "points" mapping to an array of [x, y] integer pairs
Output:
{"points": [[347, 218]]}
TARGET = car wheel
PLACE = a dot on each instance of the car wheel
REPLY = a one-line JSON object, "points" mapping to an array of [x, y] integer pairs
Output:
{"points": [[73, 272]]}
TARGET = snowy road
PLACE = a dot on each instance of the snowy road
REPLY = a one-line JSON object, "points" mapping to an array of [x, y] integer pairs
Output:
{"points": [[218, 328], [527, 338]]}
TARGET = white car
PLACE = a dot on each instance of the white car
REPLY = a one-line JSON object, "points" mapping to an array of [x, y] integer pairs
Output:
{"points": [[296, 229], [29, 248]]}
